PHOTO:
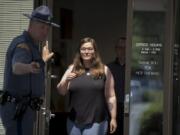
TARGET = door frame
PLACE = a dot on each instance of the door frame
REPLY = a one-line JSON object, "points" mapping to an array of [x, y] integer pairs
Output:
{"points": [[41, 126], [128, 65], [168, 70]]}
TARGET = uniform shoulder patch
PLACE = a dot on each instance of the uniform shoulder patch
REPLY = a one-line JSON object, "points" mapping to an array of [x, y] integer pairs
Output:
{"points": [[23, 46]]}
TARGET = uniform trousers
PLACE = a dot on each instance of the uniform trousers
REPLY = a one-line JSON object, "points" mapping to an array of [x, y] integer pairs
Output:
{"points": [[21, 126]]}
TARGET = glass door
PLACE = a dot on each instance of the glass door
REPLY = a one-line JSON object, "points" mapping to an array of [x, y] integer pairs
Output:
{"points": [[146, 67]]}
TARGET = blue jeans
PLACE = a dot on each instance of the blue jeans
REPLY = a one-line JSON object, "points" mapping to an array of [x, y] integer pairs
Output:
{"points": [[88, 129]]}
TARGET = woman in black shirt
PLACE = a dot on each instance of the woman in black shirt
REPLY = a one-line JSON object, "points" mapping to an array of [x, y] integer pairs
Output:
{"points": [[91, 88]]}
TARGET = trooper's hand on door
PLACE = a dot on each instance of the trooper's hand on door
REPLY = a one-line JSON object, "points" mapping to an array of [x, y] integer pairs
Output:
{"points": [[46, 54]]}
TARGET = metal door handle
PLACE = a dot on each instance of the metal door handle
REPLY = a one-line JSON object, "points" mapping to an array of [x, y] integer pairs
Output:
{"points": [[54, 76], [126, 104], [47, 113]]}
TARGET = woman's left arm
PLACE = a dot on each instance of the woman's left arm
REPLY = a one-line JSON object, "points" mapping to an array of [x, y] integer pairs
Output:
{"points": [[111, 99]]}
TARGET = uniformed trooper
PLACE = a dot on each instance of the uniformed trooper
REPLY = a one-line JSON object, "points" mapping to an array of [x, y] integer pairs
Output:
{"points": [[24, 74]]}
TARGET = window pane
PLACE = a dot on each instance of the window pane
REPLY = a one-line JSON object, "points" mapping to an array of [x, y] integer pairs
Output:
{"points": [[146, 96]]}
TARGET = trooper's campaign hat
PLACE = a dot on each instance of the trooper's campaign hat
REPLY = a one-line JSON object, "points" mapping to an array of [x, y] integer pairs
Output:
{"points": [[42, 14]]}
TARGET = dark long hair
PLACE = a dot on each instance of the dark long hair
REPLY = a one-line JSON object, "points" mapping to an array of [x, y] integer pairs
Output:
{"points": [[97, 67]]}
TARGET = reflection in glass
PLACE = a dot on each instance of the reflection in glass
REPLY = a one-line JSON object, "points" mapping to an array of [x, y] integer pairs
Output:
{"points": [[146, 96]]}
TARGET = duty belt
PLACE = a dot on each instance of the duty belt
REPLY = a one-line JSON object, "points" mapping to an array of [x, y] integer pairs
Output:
{"points": [[6, 97], [34, 102]]}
